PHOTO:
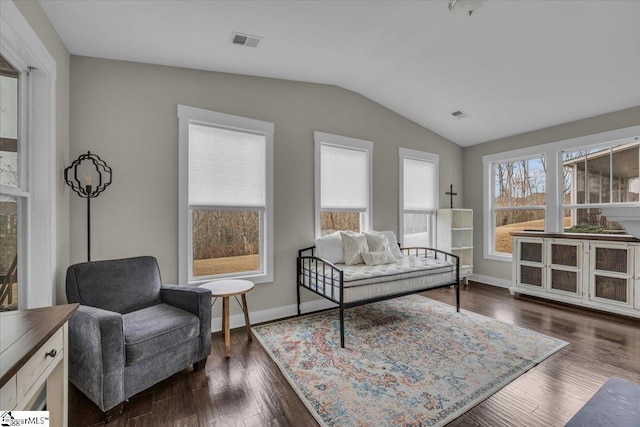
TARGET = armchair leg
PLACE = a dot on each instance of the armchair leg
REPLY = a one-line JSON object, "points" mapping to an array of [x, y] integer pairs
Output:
{"points": [[200, 364], [113, 412]]}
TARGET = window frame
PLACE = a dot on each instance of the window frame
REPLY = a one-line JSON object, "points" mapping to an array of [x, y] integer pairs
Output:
{"points": [[37, 240], [407, 153], [187, 115], [323, 138], [596, 204], [495, 209], [554, 208]]}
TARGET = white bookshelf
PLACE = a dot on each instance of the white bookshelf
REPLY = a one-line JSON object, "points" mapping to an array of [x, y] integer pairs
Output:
{"points": [[455, 234]]}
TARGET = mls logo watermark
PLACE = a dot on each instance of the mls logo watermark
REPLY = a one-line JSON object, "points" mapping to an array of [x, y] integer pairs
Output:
{"points": [[24, 418]]}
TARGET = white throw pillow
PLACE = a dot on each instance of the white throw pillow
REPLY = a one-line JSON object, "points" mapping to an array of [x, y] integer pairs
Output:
{"points": [[393, 242], [329, 248], [353, 246], [377, 242], [377, 258]]}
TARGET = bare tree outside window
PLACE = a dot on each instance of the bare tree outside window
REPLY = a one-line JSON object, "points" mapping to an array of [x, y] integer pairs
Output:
{"points": [[225, 242], [339, 221], [9, 179], [520, 198]]}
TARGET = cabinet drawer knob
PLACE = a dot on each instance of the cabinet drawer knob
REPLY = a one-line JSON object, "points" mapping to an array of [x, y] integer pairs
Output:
{"points": [[51, 353]]}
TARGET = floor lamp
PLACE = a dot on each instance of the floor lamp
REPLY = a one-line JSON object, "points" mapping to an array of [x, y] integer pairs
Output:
{"points": [[94, 170]]}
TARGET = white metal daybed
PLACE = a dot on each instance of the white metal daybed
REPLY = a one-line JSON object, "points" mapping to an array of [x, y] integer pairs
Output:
{"points": [[417, 269]]}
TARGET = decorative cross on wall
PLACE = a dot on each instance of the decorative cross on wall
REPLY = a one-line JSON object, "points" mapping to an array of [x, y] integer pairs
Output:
{"points": [[451, 194]]}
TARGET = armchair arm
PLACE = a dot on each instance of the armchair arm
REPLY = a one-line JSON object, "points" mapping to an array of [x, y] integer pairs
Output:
{"points": [[97, 355], [194, 300]]}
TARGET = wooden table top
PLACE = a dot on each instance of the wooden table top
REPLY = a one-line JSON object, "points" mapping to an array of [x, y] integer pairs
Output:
{"points": [[227, 288], [577, 236], [23, 332]]}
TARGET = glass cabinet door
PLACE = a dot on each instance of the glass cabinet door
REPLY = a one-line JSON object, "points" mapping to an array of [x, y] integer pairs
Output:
{"points": [[530, 271], [611, 274], [564, 274]]}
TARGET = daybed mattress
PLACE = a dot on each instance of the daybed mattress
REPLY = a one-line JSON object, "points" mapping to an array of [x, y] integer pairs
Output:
{"points": [[362, 282]]}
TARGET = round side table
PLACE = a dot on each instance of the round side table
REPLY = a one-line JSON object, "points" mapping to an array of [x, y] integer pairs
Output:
{"points": [[225, 289]]}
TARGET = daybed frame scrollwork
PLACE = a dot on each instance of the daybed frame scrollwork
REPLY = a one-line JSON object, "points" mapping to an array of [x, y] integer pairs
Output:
{"points": [[316, 274]]}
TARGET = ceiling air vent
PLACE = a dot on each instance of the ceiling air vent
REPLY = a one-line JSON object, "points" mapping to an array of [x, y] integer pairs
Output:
{"points": [[459, 114], [245, 40]]}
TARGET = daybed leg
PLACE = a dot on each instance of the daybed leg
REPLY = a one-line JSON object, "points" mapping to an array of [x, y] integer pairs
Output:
{"points": [[341, 327], [458, 285], [298, 283]]}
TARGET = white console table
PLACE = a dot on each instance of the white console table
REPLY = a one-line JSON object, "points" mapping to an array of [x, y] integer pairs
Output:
{"points": [[33, 344], [598, 271]]}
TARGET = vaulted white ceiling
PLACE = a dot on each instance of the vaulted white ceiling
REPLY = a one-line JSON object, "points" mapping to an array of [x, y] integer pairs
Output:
{"points": [[513, 67]]}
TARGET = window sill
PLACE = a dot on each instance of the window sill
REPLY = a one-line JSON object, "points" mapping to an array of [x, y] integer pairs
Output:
{"points": [[255, 278], [496, 257]]}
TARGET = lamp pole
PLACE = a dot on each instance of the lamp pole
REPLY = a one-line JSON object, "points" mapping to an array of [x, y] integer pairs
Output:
{"points": [[88, 188]]}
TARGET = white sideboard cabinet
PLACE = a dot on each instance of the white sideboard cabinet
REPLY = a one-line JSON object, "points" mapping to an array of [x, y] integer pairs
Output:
{"points": [[596, 271]]}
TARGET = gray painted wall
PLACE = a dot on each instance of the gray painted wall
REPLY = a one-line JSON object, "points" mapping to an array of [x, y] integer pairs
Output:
{"points": [[126, 113], [41, 25], [473, 171]]}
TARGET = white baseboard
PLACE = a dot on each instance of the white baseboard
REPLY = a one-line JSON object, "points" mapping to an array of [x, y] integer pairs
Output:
{"points": [[315, 305], [237, 320], [489, 280]]}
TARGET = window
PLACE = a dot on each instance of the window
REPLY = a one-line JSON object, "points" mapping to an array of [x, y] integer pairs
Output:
{"points": [[593, 177], [342, 183], [226, 193], [29, 173], [559, 187], [12, 189], [418, 197], [519, 199]]}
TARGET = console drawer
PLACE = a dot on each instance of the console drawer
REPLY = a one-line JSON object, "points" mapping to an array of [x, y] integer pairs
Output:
{"points": [[8, 395], [39, 362]]}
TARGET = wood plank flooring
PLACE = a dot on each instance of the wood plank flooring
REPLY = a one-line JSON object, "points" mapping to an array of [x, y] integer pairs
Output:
{"points": [[249, 390]]}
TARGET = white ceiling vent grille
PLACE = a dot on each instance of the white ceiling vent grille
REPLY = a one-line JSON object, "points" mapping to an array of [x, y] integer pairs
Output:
{"points": [[245, 39], [459, 114]]}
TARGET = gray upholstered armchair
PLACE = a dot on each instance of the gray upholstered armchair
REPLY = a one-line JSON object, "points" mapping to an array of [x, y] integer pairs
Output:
{"points": [[130, 331]]}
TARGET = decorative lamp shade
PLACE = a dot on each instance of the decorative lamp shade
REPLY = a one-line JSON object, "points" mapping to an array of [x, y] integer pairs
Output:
{"points": [[88, 175]]}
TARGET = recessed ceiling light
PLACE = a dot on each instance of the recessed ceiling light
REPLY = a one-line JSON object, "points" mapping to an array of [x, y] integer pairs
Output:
{"points": [[459, 114], [466, 7], [248, 40]]}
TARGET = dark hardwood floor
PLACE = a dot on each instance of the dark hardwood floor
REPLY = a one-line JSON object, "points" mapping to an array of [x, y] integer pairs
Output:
{"points": [[249, 390]]}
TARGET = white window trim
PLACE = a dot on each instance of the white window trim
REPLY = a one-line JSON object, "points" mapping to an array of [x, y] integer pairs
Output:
{"points": [[408, 153], [37, 244], [186, 115], [321, 138], [552, 152]]}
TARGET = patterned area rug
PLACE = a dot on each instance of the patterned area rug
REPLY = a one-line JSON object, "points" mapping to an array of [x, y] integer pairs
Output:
{"points": [[409, 361]]}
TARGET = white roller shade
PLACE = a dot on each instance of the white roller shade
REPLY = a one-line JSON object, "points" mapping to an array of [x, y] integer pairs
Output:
{"points": [[344, 174], [418, 185], [226, 167]]}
